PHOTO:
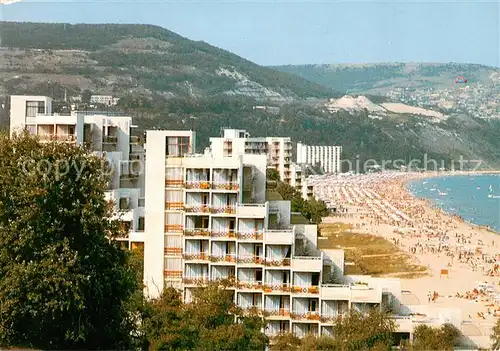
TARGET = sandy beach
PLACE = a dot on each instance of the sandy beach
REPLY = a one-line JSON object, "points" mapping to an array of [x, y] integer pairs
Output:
{"points": [[459, 255]]}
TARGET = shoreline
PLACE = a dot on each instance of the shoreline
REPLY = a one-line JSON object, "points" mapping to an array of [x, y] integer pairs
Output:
{"points": [[434, 206], [382, 204]]}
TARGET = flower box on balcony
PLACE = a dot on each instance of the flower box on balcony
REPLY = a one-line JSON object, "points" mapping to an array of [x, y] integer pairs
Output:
{"points": [[313, 316], [204, 185], [313, 290], [267, 289]]}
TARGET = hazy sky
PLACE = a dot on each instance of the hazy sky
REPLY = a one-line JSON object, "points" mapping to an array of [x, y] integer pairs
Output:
{"points": [[295, 32]]}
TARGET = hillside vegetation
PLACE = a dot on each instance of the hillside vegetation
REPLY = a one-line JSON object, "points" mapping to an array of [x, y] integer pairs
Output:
{"points": [[126, 58], [166, 81], [379, 78]]}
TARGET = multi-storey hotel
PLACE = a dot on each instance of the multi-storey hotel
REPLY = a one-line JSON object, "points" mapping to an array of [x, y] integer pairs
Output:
{"points": [[326, 156], [108, 136], [278, 151], [205, 217]]}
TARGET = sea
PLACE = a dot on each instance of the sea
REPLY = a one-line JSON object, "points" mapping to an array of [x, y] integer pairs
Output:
{"points": [[464, 195]]}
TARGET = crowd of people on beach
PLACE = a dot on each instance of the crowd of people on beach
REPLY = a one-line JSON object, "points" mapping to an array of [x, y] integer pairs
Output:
{"points": [[418, 227]]}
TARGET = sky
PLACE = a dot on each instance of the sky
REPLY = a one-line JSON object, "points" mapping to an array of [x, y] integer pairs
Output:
{"points": [[303, 32]]}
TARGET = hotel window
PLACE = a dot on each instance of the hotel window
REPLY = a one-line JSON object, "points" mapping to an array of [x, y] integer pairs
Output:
{"points": [[177, 146], [34, 107]]}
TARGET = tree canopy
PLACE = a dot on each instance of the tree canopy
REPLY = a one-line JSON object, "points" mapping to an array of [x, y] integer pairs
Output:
{"points": [[206, 323], [429, 338], [63, 282]]}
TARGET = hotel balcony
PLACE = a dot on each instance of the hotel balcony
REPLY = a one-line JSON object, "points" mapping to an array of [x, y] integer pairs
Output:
{"points": [[172, 251], [70, 138], [205, 232], [276, 288], [249, 285], [230, 258], [305, 290], [109, 139], [225, 210], [226, 186], [196, 280], [196, 256], [250, 259], [307, 264], [174, 183], [276, 314], [198, 185], [174, 206], [223, 235], [251, 210], [174, 228], [197, 208], [278, 237], [134, 140], [134, 156], [283, 262], [312, 316], [250, 236], [365, 294], [129, 176], [336, 292], [172, 274]]}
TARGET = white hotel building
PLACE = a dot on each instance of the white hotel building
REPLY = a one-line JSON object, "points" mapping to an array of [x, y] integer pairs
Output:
{"points": [[105, 135], [206, 218], [278, 150], [327, 156]]}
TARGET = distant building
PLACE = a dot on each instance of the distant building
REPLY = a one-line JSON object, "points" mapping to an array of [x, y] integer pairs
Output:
{"points": [[104, 100], [327, 156], [238, 142]]}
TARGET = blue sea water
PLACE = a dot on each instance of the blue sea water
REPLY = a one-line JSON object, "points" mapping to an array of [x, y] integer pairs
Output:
{"points": [[466, 196]]}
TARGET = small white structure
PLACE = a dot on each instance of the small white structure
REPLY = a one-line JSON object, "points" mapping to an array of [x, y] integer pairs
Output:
{"points": [[104, 100]]}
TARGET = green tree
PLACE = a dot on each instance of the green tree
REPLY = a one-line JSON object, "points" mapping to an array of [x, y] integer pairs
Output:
{"points": [[63, 283], [429, 338], [358, 331], [206, 323], [272, 174]]}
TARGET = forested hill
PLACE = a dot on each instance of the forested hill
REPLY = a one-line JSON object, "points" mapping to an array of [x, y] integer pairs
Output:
{"points": [[135, 59]]}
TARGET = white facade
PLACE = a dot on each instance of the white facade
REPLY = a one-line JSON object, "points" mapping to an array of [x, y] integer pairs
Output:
{"points": [[327, 156], [106, 136], [278, 150]]}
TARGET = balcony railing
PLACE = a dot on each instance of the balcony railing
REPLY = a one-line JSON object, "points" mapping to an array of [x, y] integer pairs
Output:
{"points": [[312, 315], [328, 318], [175, 228], [250, 259], [196, 280], [249, 285], [172, 274], [174, 205], [284, 312], [231, 258], [173, 251], [109, 139], [305, 289], [197, 232], [57, 137], [197, 208], [174, 183], [250, 236], [198, 185], [284, 262], [134, 156], [129, 176], [191, 256], [225, 186], [268, 288], [226, 234], [251, 310], [224, 209]]}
